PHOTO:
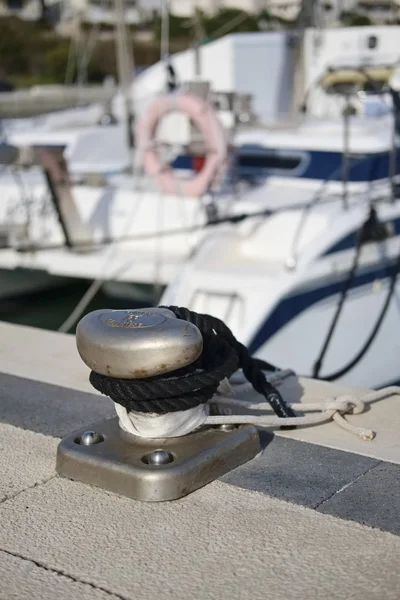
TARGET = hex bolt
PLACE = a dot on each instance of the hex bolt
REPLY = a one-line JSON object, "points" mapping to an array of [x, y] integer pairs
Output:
{"points": [[158, 458], [227, 426], [90, 437]]}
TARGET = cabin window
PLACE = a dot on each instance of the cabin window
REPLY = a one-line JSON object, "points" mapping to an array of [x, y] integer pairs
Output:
{"points": [[374, 87], [269, 161], [15, 4], [372, 42]]}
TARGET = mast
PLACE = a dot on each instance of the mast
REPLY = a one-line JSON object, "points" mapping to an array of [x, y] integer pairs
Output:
{"points": [[199, 35], [125, 67], [308, 15], [164, 45], [307, 18]]}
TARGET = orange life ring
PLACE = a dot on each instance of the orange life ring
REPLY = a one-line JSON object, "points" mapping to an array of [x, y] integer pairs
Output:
{"points": [[204, 117]]}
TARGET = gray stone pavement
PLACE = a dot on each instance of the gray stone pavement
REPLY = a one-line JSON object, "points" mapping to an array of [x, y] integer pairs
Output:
{"points": [[301, 521]]}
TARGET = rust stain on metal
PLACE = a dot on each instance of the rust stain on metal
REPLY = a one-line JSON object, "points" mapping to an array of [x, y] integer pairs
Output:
{"points": [[140, 373]]}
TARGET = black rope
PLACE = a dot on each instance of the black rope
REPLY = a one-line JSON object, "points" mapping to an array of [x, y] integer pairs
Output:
{"points": [[178, 390], [351, 364], [172, 80], [196, 384], [371, 231], [339, 307], [252, 368]]}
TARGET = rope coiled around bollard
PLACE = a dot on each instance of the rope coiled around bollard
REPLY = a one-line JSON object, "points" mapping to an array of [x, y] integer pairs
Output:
{"points": [[196, 384]]}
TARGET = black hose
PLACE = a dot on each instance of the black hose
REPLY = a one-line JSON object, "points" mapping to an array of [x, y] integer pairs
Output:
{"points": [[372, 230], [318, 363], [374, 332]]}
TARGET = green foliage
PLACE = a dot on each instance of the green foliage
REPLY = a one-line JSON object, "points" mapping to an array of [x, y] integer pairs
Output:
{"points": [[179, 27], [24, 47], [265, 15], [274, 21], [26, 81], [183, 28], [14, 51], [55, 63], [353, 19], [32, 54], [241, 22]]}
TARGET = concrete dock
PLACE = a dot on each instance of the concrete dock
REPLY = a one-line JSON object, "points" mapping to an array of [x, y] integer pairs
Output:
{"points": [[316, 516]]}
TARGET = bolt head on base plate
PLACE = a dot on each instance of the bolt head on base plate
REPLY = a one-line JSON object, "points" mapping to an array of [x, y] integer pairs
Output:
{"points": [[90, 437]]}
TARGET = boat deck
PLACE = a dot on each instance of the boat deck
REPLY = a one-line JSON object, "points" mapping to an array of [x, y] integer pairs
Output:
{"points": [[316, 516]]}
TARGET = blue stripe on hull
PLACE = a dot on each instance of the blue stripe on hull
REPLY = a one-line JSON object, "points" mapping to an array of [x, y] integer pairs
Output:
{"points": [[317, 164], [369, 168], [349, 240], [294, 305]]}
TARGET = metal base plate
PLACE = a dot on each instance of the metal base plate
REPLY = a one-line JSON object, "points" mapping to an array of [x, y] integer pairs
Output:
{"points": [[120, 462]]}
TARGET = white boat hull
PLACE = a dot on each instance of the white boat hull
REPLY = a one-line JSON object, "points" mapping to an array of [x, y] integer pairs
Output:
{"points": [[283, 315]]}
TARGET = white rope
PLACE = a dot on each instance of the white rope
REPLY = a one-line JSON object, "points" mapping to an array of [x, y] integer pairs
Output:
{"points": [[153, 426], [324, 412], [219, 412], [331, 408]]}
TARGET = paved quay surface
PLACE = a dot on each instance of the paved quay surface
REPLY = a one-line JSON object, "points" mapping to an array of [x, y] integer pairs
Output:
{"points": [[316, 516]]}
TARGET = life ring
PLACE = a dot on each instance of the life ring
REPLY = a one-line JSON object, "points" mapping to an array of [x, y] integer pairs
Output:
{"points": [[205, 119]]}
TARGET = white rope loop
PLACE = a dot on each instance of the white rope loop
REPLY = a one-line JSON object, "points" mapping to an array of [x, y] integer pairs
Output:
{"points": [[169, 425]]}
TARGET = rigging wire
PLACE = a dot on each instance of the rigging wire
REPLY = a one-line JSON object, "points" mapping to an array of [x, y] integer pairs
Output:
{"points": [[106, 241], [172, 82], [87, 54], [97, 283], [80, 52], [318, 196], [171, 232], [233, 219]]}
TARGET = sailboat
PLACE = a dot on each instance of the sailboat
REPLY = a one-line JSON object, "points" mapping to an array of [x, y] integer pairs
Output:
{"points": [[310, 277], [126, 231]]}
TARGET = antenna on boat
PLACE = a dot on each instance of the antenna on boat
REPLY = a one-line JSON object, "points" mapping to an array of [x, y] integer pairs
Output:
{"points": [[199, 35], [172, 82], [348, 112]]}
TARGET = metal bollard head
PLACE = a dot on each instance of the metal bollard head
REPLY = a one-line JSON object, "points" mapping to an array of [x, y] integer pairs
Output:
{"points": [[135, 344]]}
